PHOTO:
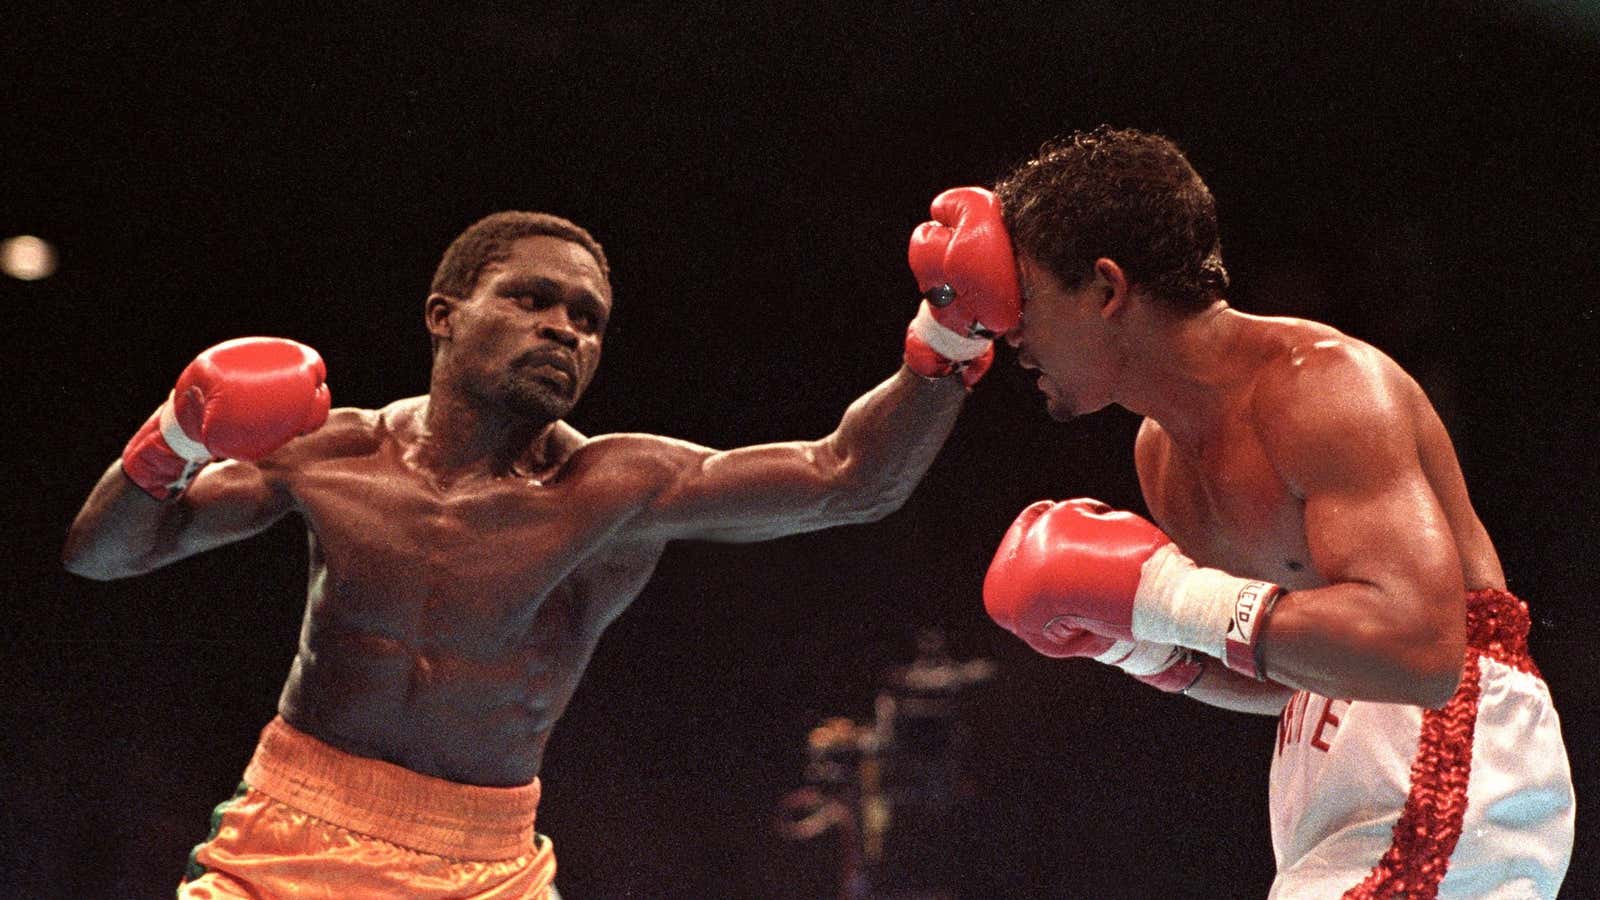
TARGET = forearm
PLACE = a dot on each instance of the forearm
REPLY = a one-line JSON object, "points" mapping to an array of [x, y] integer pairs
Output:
{"points": [[122, 531], [1221, 687], [1346, 641], [889, 437], [1395, 636], [119, 531]]}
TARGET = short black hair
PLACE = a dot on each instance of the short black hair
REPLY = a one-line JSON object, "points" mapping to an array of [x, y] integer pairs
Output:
{"points": [[485, 241], [1125, 194]]}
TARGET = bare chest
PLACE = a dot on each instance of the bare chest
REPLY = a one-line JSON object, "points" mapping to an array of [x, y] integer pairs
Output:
{"points": [[392, 552], [1229, 509]]}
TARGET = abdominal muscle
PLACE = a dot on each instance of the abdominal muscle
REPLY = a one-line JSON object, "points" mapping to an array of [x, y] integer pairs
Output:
{"points": [[471, 698], [434, 713]]}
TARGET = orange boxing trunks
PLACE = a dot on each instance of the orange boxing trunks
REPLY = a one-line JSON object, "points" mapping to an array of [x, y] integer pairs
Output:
{"points": [[311, 821]]}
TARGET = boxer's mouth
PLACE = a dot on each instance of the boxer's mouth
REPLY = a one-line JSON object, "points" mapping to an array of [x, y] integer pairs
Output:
{"points": [[559, 364]]}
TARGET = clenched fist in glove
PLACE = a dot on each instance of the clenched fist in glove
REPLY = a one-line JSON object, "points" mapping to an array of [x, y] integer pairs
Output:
{"points": [[241, 399], [968, 277], [1078, 566], [1164, 666]]}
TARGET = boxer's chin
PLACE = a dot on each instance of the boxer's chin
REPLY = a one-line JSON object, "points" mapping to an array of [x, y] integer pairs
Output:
{"points": [[1057, 403], [1060, 413], [1062, 409], [535, 399]]}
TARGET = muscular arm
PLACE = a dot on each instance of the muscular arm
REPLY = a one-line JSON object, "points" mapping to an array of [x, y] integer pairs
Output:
{"points": [[242, 399], [121, 531], [1390, 623], [862, 471]]}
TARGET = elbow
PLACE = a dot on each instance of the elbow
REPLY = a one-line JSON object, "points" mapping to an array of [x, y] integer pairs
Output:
{"points": [[1410, 665], [84, 568], [88, 567], [76, 558], [1424, 651], [80, 558], [1437, 686], [1433, 670]]}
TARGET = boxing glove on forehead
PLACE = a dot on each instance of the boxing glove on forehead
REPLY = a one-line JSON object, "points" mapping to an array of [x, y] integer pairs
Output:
{"points": [[966, 248]]}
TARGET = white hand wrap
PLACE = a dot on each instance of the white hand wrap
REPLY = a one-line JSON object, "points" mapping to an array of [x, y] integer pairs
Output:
{"points": [[948, 344], [1141, 658], [186, 447], [1209, 610]]}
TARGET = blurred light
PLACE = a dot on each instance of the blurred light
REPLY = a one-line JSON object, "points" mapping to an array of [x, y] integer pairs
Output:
{"points": [[27, 258]]}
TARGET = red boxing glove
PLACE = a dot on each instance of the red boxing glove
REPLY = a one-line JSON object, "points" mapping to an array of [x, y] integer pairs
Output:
{"points": [[1080, 566], [929, 363], [967, 273], [241, 399], [1069, 565]]}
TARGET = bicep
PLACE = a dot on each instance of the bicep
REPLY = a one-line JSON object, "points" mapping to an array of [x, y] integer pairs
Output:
{"points": [[752, 493], [1383, 527], [1372, 518]]}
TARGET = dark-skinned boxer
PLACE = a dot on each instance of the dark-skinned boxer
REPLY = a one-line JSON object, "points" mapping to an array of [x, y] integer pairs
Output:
{"points": [[468, 547]]}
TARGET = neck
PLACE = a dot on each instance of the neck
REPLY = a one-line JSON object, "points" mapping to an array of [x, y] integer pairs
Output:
{"points": [[1185, 370], [461, 436]]}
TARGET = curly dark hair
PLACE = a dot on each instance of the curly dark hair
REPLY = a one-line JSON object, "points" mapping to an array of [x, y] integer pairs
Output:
{"points": [[1124, 194], [485, 241]]}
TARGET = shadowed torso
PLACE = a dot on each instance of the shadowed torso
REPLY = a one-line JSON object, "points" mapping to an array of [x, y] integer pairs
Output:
{"points": [[447, 624]]}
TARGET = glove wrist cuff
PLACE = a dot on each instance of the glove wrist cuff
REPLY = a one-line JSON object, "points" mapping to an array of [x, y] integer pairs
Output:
{"points": [[1220, 615], [151, 462], [188, 449], [949, 344]]}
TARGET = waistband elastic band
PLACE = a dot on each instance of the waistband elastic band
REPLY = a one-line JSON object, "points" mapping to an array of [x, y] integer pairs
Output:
{"points": [[390, 802]]}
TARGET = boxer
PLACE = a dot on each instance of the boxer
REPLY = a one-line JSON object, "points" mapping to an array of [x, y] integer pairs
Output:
{"points": [[469, 547], [1314, 553]]}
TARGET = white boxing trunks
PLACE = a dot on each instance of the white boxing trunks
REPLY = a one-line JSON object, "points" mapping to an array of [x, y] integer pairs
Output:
{"points": [[1471, 800]]}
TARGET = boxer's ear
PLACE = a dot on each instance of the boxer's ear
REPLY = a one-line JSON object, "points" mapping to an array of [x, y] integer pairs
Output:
{"points": [[436, 314], [1112, 283]]}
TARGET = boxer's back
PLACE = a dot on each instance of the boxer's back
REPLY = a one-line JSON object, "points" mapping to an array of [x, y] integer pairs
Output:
{"points": [[447, 623]]}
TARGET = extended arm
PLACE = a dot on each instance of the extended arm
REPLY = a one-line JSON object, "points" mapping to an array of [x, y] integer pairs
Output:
{"points": [[862, 471], [886, 440], [166, 499]]}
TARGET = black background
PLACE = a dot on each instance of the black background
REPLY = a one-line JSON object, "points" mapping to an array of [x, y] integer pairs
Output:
{"points": [[1422, 176]]}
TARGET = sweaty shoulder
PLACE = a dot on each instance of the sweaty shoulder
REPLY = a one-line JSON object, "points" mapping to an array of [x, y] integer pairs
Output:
{"points": [[1323, 401], [349, 431]]}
